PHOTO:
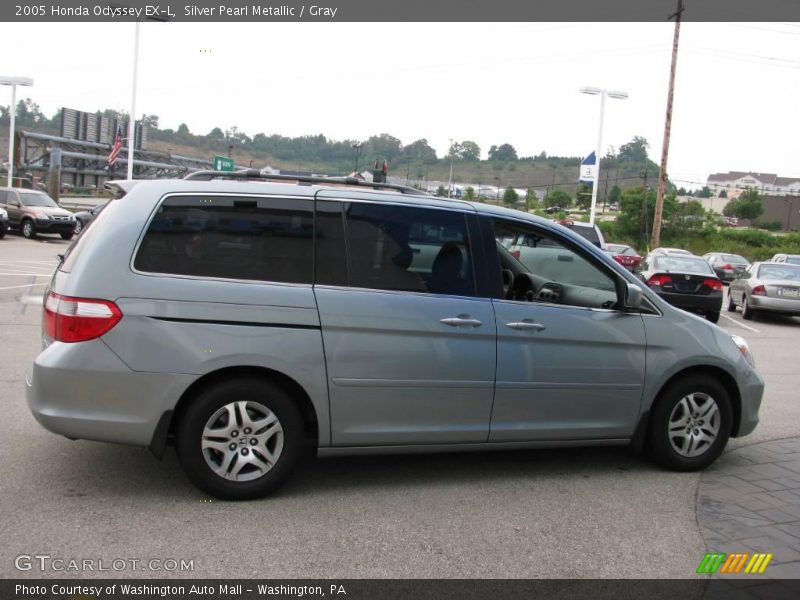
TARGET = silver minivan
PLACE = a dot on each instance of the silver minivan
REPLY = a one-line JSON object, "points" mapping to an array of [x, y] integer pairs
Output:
{"points": [[250, 323]]}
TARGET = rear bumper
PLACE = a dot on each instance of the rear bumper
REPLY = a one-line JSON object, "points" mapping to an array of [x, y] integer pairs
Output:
{"points": [[779, 305], [83, 391], [706, 304]]}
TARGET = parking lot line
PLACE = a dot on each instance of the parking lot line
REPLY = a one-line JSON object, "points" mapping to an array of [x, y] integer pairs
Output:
{"points": [[741, 324], [14, 287]]}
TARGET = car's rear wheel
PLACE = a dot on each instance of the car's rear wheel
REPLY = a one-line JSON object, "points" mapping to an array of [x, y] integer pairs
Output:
{"points": [[78, 227], [747, 312], [713, 316], [731, 303], [240, 439], [690, 424], [66, 236], [28, 229]]}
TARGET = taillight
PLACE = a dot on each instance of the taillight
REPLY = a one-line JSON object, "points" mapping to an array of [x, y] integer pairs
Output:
{"points": [[68, 319], [714, 284], [727, 268], [515, 254], [759, 290], [659, 280]]}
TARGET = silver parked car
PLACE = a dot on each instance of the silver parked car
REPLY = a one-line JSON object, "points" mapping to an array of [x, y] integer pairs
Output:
{"points": [[249, 322], [766, 287]]}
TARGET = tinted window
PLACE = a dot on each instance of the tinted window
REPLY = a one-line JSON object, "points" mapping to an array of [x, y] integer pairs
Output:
{"points": [[233, 238], [412, 249], [681, 264], [331, 249], [785, 271], [735, 258]]}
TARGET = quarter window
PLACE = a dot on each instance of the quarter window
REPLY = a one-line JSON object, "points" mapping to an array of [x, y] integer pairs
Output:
{"points": [[262, 239]]}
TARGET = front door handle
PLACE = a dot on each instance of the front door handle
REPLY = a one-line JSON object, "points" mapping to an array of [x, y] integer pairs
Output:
{"points": [[526, 325], [461, 321]]}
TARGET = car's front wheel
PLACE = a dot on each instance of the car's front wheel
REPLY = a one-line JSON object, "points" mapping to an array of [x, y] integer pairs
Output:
{"points": [[28, 229], [713, 316], [78, 227], [690, 424], [66, 236], [240, 439]]}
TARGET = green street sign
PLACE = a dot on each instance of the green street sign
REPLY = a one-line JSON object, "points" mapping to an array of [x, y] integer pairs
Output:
{"points": [[223, 163]]}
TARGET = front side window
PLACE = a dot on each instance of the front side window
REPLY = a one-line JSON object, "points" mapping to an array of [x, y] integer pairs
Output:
{"points": [[263, 239], [540, 267], [409, 249]]}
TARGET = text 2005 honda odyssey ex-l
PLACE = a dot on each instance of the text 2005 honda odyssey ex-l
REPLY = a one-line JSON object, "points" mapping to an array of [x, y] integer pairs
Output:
{"points": [[249, 322]]}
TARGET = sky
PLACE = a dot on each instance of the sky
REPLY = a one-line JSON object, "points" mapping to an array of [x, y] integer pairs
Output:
{"points": [[737, 88]]}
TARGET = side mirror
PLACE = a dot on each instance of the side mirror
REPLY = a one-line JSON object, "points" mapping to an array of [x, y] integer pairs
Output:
{"points": [[633, 296]]}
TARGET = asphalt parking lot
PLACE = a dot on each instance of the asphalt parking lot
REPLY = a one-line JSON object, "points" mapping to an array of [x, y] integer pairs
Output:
{"points": [[568, 513]]}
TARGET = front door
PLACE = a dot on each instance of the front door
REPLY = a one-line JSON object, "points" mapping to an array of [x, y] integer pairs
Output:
{"points": [[570, 364], [409, 347]]}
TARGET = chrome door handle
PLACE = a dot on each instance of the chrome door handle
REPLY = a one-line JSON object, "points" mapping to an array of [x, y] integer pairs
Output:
{"points": [[526, 325], [461, 321]]}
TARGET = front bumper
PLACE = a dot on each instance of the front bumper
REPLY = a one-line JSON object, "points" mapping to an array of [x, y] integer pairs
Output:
{"points": [[83, 391], [52, 226], [752, 391]]}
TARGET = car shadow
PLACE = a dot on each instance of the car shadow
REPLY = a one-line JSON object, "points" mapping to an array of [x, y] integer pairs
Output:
{"points": [[775, 319], [103, 470]]}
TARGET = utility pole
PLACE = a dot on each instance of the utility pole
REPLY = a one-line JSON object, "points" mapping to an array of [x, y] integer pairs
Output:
{"points": [[662, 178], [643, 217], [450, 180]]}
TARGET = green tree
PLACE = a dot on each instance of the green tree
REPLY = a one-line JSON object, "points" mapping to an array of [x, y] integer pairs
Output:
{"points": [[695, 208], [723, 194], [583, 197], [441, 192], [614, 195], [469, 193], [635, 150], [704, 193], [558, 198], [502, 152], [746, 206], [510, 196], [632, 222]]}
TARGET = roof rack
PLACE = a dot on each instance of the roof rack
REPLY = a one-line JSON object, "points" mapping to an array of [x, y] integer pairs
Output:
{"points": [[256, 174]]}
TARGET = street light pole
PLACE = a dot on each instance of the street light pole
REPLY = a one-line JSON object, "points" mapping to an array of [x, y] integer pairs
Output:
{"points": [[594, 91], [357, 146], [132, 116], [450, 180], [13, 82]]}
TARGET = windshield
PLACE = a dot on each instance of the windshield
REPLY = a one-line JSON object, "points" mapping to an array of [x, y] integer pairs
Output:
{"points": [[735, 258], [793, 260], [35, 199], [785, 271], [681, 264]]}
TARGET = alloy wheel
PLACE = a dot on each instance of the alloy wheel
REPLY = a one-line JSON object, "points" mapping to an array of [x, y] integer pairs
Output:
{"points": [[694, 424]]}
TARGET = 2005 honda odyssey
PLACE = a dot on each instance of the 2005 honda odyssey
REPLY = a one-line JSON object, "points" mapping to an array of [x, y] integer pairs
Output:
{"points": [[250, 321]]}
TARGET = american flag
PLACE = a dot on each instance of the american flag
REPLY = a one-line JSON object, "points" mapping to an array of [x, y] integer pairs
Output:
{"points": [[112, 158]]}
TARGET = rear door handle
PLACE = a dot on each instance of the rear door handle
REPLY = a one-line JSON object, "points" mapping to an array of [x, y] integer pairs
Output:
{"points": [[461, 321], [526, 325]]}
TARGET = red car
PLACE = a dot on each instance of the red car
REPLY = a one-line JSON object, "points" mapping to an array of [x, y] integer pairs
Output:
{"points": [[624, 255]]}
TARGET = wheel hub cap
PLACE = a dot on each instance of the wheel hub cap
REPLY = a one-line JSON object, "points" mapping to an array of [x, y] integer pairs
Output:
{"points": [[694, 424], [242, 441]]}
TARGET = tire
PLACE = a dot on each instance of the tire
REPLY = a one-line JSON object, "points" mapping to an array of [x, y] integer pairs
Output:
{"points": [[2, 232], [238, 467], [28, 229], [747, 312], [713, 316], [78, 227], [731, 303], [66, 236], [670, 410]]}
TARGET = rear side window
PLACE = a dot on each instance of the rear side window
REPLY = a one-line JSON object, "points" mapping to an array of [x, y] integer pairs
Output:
{"points": [[265, 239], [406, 248]]}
